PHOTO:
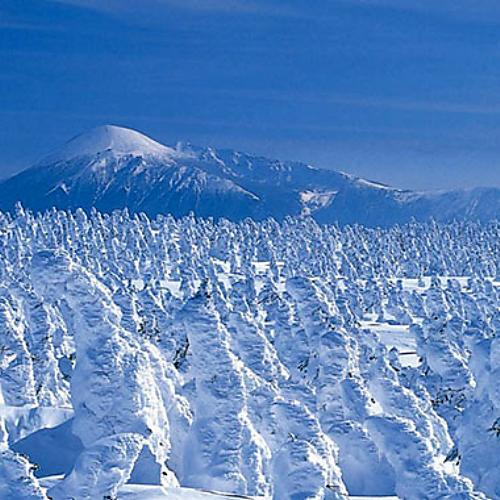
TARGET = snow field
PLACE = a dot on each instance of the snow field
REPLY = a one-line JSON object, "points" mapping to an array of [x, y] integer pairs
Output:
{"points": [[288, 361]]}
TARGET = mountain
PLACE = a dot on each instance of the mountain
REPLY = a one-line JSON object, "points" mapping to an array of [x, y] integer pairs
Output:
{"points": [[113, 167]]}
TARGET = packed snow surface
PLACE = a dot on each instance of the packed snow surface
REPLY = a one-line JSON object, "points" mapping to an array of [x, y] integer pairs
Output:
{"points": [[192, 359]]}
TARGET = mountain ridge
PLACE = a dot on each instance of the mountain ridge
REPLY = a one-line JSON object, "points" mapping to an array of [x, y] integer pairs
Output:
{"points": [[113, 167]]}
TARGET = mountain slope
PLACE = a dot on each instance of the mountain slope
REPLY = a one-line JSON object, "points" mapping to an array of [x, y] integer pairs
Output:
{"points": [[113, 167]]}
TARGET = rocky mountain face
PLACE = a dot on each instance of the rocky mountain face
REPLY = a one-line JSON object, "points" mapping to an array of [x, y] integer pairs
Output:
{"points": [[112, 167], [278, 360]]}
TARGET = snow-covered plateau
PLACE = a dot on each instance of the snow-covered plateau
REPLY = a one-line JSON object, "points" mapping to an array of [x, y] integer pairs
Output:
{"points": [[150, 358]]}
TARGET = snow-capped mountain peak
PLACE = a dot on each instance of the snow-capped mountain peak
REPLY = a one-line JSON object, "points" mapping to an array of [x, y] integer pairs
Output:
{"points": [[113, 167], [119, 141]]}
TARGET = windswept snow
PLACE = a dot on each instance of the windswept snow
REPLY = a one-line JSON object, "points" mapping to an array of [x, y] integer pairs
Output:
{"points": [[178, 358]]}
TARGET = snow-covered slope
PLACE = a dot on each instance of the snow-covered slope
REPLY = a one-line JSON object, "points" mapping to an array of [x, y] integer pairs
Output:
{"points": [[110, 138], [275, 360], [113, 167]]}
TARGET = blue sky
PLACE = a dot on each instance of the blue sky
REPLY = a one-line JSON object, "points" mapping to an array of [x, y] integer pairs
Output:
{"points": [[405, 92]]}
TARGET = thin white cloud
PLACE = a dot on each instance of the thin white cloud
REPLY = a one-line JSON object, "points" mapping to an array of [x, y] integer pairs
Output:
{"points": [[472, 10], [200, 6], [379, 102], [8, 21], [424, 106]]}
